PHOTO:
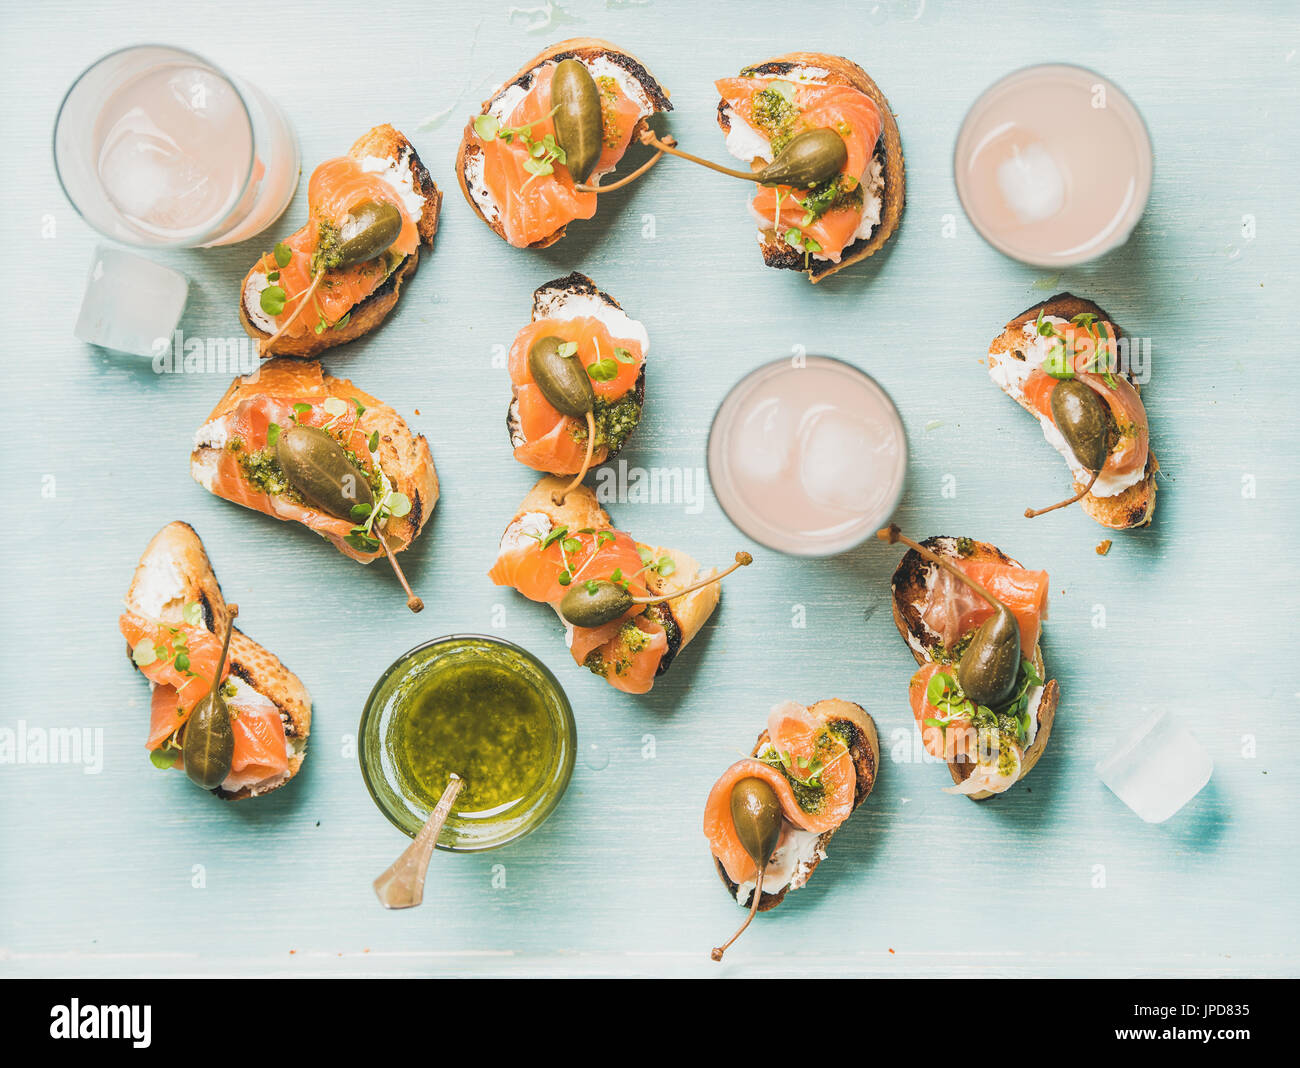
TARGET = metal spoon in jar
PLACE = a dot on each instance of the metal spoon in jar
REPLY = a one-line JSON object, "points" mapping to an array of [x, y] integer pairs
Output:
{"points": [[402, 885]]}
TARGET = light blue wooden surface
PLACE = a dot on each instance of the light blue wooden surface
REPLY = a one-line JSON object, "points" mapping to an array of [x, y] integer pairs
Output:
{"points": [[1058, 877]]}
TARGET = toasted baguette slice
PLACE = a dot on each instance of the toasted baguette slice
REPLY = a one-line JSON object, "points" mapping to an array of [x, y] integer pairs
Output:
{"points": [[175, 571], [569, 297], [1131, 507], [911, 581], [864, 747], [402, 455], [383, 142], [590, 50], [889, 149], [681, 617]]}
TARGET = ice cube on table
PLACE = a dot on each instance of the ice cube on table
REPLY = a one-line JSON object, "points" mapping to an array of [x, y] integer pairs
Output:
{"points": [[1031, 183], [131, 304], [1157, 768], [845, 460]]}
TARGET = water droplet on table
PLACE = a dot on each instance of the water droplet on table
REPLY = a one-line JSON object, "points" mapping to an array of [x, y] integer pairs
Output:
{"points": [[595, 756]]}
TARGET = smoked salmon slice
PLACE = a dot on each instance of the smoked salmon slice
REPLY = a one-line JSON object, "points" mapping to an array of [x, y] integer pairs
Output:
{"points": [[184, 662], [953, 609], [556, 443], [719, 827], [949, 740], [533, 206], [261, 751]]}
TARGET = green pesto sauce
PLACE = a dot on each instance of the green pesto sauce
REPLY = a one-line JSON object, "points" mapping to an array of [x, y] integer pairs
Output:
{"points": [[841, 191], [263, 470], [614, 422], [944, 655], [632, 639], [611, 131], [776, 116], [485, 723]]}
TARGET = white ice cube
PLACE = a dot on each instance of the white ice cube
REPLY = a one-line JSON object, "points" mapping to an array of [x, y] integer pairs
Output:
{"points": [[131, 304], [842, 457], [1157, 768], [764, 440], [1032, 184]]}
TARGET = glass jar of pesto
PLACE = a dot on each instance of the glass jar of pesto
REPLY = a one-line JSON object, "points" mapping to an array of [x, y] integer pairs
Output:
{"points": [[483, 708]]}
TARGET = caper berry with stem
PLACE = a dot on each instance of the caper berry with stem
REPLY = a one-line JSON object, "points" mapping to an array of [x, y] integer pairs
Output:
{"points": [[596, 602], [316, 465], [757, 817], [208, 745], [1084, 421]]}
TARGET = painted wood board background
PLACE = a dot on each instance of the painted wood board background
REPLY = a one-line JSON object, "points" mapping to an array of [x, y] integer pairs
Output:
{"points": [[98, 871]]}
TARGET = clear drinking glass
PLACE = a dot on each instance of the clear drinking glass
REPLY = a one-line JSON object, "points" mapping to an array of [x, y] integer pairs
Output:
{"points": [[155, 146], [808, 456], [1053, 165], [382, 766]]}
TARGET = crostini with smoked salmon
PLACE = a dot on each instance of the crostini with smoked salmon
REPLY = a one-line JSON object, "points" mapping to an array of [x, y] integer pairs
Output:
{"points": [[628, 608], [578, 376], [370, 214], [297, 444], [982, 698], [771, 816], [824, 133], [1066, 363], [223, 708], [532, 160]]}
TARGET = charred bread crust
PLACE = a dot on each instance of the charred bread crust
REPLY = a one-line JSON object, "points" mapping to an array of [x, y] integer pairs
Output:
{"points": [[583, 48], [384, 142], [179, 545], [908, 587], [889, 149], [1134, 506], [682, 617], [577, 284], [403, 455], [864, 746]]}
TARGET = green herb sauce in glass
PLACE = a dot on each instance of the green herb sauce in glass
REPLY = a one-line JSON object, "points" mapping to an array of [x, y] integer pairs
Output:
{"points": [[482, 721]]}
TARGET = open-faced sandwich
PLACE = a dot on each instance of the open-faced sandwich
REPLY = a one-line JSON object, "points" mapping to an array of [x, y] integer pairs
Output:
{"points": [[1062, 361], [971, 617], [770, 817], [628, 608], [822, 133], [337, 278], [578, 371], [223, 708], [533, 160], [298, 444]]}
